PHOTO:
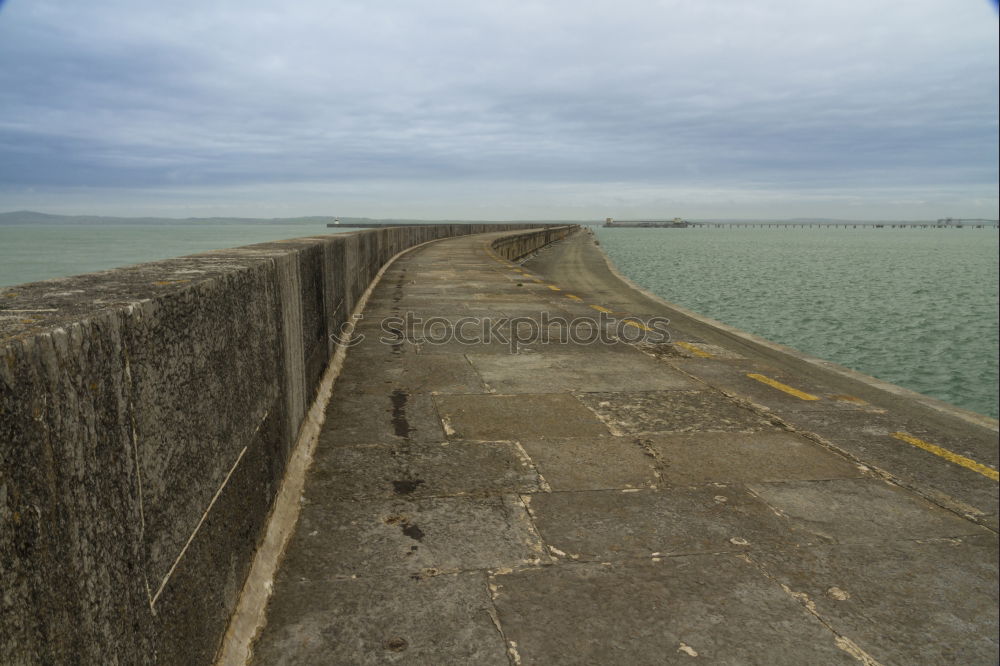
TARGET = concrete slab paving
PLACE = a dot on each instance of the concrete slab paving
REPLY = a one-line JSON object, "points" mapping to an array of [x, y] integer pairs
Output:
{"points": [[374, 369], [510, 417], [714, 608], [398, 619], [501, 345], [888, 596], [705, 457], [421, 536], [860, 511], [593, 463], [442, 374], [552, 372], [423, 470], [615, 524], [394, 415], [672, 411], [507, 345]]}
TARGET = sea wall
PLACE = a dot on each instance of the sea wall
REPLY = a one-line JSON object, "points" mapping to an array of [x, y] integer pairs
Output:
{"points": [[146, 416]]}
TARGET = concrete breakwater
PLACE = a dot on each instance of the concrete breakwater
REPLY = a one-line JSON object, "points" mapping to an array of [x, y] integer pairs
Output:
{"points": [[146, 416], [703, 495]]}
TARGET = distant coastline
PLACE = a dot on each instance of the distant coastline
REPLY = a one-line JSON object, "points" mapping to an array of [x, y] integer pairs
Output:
{"points": [[23, 217], [32, 217]]}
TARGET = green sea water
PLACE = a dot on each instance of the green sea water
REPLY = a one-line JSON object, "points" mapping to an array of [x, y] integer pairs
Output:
{"points": [[29, 253], [918, 308]]}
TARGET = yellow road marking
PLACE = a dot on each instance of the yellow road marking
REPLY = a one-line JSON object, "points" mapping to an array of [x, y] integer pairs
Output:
{"points": [[600, 309], [538, 281], [554, 288], [773, 383], [694, 350], [843, 397], [574, 298], [638, 325], [950, 456]]}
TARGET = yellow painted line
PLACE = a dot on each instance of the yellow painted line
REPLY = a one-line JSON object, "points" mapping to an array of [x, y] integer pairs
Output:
{"points": [[843, 397], [694, 350], [638, 325], [538, 281], [554, 288], [774, 383], [950, 456], [574, 298], [600, 309]]}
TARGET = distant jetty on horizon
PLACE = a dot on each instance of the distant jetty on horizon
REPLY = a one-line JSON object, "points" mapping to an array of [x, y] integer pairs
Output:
{"points": [[678, 223]]}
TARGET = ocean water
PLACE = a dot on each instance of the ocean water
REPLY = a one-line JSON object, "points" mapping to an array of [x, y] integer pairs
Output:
{"points": [[918, 308], [29, 253]]}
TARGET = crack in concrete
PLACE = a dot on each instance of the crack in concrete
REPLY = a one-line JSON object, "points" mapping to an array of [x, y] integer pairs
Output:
{"points": [[841, 641]]}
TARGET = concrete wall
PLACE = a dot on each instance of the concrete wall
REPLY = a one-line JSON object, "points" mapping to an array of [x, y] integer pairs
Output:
{"points": [[146, 416], [515, 246]]}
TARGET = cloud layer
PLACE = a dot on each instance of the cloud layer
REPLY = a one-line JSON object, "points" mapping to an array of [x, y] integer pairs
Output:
{"points": [[525, 109]]}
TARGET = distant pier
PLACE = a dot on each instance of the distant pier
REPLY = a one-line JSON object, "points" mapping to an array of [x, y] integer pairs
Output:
{"points": [[677, 223]]}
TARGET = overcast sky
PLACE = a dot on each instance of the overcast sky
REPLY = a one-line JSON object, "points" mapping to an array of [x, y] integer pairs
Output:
{"points": [[551, 109]]}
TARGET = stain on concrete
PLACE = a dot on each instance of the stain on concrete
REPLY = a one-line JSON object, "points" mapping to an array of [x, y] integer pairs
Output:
{"points": [[413, 531], [406, 486], [400, 425]]}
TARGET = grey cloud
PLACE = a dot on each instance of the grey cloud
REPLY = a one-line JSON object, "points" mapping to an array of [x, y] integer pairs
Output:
{"points": [[782, 95]]}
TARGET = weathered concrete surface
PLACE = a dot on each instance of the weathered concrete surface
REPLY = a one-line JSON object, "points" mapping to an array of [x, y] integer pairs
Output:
{"points": [[443, 619], [146, 416], [716, 608], [606, 503]]}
